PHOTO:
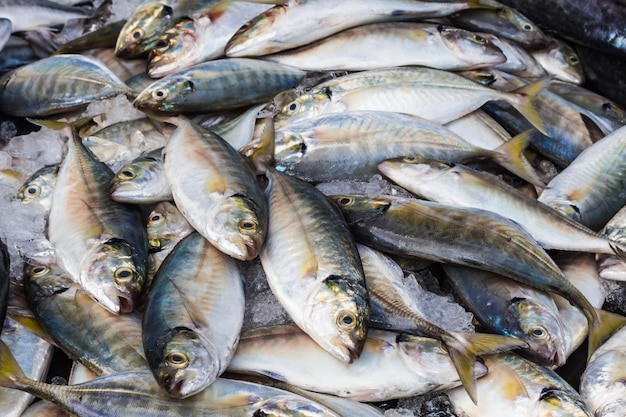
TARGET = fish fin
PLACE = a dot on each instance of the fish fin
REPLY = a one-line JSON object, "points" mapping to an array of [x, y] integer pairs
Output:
{"points": [[522, 100], [79, 124], [10, 370], [608, 324], [464, 347], [32, 325], [618, 250], [511, 156], [260, 153], [195, 317]]}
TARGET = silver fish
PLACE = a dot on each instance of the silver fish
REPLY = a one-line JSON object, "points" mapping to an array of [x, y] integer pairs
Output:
{"points": [[38, 188], [37, 14], [142, 181]]}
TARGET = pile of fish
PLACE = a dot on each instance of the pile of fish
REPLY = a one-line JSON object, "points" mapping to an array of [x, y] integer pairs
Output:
{"points": [[346, 165]]}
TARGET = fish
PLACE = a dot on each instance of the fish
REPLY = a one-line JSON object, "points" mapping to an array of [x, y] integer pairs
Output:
{"points": [[398, 44], [38, 187], [463, 236], [463, 186], [145, 25], [590, 189], [600, 384], [193, 317], [200, 36], [70, 317], [561, 60], [479, 129], [389, 292], [239, 131], [349, 145], [511, 308], [518, 61], [520, 386], [219, 84], [296, 23], [104, 245], [216, 190], [313, 267], [610, 266], [598, 25], [135, 394], [104, 37], [44, 409], [436, 95], [57, 84], [502, 21], [142, 181], [5, 31], [392, 365], [36, 14]]}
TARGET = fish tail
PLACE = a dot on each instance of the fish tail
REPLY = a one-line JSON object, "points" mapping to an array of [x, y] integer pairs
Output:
{"points": [[605, 325], [510, 155], [522, 100], [260, 153], [464, 347], [10, 371]]}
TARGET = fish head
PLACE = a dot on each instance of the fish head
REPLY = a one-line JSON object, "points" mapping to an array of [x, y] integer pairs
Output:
{"points": [[254, 36], [561, 60], [358, 208], [166, 225], [138, 179], [143, 28], [517, 27], [237, 226], [38, 188], [44, 281], [308, 105], [186, 364], [540, 328], [163, 95], [111, 276], [175, 49], [556, 402], [337, 314], [471, 47]]}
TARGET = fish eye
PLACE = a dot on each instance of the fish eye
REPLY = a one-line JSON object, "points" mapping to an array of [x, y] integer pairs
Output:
{"points": [[538, 332], [410, 159], [345, 201], [159, 94], [123, 274], [293, 107], [156, 218], [346, 320], [33, 191], [127, 174], [39, 271], [137, 34], [177, 359], [480, 39], [167, 12], [247, 226], [527, 27], [155, 243], [162, 45], [573, 60]]}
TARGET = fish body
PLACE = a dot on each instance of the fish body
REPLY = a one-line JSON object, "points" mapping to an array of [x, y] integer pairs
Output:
{"points": [[100, 242], [518, 61], [71, 317], [392, 365], [436, 95], [38, 14], [200, 36], [610, 266], [591, 189], [348, 145], [463, 186], [480, 129], [397, 44], [600, 384], [57, 84], [217, 85], [313, 267], [142, 181], [145, 25], [216, 190], [513, 309], [193, 317], [297, 23], [519, 386], [462, 236]]}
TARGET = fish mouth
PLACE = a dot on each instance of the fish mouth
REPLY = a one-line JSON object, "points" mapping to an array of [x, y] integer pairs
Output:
{"points": [[126, 304]]}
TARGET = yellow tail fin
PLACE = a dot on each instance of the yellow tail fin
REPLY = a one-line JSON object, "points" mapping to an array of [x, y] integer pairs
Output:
{"points": [[464, 347], [522, 100], [510, 155], [608, 324]]}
